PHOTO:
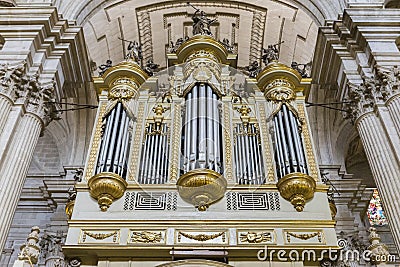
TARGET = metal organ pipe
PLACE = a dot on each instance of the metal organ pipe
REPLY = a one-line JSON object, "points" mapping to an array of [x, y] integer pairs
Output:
{"points": [[248, 156], [202, 133], [115, 142], [289, 149], [155, 152]]}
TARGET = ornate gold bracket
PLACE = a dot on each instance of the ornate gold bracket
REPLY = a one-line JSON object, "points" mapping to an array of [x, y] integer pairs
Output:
{"points": [[201, 187], [106, 187], [297, 188]]}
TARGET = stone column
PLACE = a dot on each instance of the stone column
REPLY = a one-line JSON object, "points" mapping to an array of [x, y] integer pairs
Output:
{"points": [[33, 108], [363, 110]]}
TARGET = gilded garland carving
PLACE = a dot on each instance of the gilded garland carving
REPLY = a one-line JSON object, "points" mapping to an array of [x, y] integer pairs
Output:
{"points": [[304, 236], [308, 144], [96, 141], [201, 237], [146, 237], [254, 237], [176, 135], [136, 143], [100, 236], [267, 150], [228, 143]]}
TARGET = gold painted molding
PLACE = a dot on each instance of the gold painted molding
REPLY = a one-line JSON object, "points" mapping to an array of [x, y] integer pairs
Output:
{"points": [[201, 237]]}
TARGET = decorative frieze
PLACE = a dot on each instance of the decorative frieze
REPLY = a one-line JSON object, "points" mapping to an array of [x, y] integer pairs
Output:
{"points": [[303, 237], [237, 201]]}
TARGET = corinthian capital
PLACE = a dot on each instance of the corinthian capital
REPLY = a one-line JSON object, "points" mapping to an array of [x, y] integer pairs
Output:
{"points": [[40, 99], [390, 79], [11, 78]]}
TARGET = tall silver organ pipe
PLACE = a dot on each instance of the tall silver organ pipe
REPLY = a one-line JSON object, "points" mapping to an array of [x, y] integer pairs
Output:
{"points": [[155, 151], [289, 150], [248, 155], [115, 142], [201, 142]]}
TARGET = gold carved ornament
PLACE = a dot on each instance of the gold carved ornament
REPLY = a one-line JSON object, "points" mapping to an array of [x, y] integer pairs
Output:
{"points": [[201, 237], [99, 236], [253, 237], [96, 141], [175, 143], [266, 144], [146, 237], [304, 236], [308, 145], [228, 142], [136, 143]]}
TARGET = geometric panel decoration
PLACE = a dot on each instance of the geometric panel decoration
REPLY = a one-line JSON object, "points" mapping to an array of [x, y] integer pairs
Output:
{"points": [[375, 212], [253, 201], [150, 201]]}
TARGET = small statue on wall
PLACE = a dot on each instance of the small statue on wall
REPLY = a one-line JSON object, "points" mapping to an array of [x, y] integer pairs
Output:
{"points": [[151, 67], [134, 51], [271, 53], [253, 69], [201, 23], [104, 67]]}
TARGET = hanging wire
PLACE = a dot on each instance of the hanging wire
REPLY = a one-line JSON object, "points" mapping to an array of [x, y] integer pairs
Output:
{"points": [[328, 105]]}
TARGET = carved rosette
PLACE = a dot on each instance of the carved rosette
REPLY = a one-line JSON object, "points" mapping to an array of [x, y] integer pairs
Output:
{"points": [[106, 187], [201, 187], [297, 188]]}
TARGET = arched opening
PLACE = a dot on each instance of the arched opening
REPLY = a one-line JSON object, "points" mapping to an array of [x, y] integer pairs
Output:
{"points": [[392, 4]]}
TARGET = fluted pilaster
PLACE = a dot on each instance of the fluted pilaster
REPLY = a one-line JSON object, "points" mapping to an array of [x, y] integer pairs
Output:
{"points": [[5, 108], [14, 167], [384, 166], [393, 105]]}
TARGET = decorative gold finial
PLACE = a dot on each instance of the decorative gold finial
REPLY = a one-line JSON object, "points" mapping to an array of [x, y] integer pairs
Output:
{"points": [[106, 187], [297, 188]]}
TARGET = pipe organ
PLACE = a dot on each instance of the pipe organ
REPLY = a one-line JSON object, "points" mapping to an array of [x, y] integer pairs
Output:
{"points": [[288, 143], [115, 142], [202, 132], [248, 154], [201, 159], [155, 155]]}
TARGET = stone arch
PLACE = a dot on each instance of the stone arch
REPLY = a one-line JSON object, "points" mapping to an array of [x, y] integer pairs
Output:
{"points": [[320, 10], [392, 4]]}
